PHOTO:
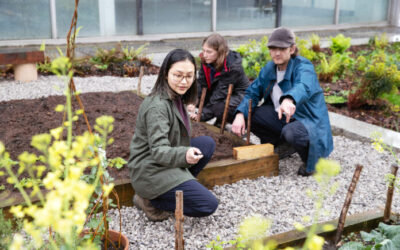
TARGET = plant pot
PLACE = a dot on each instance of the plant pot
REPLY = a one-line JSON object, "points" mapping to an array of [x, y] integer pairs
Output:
{"points": [[113, 236]]}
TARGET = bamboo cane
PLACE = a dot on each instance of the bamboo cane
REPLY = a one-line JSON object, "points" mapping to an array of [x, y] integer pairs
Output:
{"points": [[346, 205], [228, 98], [179, 242], [141, 72], [249, 123], [389, 196], [201, 104]]}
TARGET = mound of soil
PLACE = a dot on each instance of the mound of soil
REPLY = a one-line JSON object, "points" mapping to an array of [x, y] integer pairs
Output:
{"points": [[21, 119]]}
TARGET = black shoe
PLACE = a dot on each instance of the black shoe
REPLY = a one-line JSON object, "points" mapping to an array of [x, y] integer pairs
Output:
{"points": [[284, 150], [303, 171]]}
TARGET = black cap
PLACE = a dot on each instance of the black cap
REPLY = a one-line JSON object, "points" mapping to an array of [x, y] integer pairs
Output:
{"points": [[281, 38]]}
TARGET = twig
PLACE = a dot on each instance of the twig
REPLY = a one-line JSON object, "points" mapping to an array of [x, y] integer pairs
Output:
{"points": [[141, 72], [346, 205], [202, 98], [389, 196], [249, 122], [228, 98], [179, 242]]}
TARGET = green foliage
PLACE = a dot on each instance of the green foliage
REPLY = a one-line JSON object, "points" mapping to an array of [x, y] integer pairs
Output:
{"points": [[379, 42], [361, 63], [384, 237], [7, 230], [335, 99], [254, 56], [340, 44], [327, 69], [393, 98], [219, 244], [315, 42], [132, 53], [379, 79], [302, 46]]}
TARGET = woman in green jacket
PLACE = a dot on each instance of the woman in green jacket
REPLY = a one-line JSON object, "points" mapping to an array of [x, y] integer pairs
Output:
{"points": [[163, 157]]}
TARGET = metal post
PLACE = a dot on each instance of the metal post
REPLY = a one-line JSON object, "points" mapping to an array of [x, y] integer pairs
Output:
{"points": [[278, 15], [53, 19], [213, 15], [336, 14], [139, 17]]}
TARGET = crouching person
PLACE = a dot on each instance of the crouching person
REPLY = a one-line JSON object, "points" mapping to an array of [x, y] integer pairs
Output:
{"points": [[163, 156]]}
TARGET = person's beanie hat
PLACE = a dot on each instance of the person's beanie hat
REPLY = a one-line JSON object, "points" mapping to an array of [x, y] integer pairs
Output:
{"points": [[281, 38]]}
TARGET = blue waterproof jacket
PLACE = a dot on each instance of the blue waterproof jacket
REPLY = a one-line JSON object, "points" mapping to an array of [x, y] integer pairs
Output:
{"points": [[301, 84]]}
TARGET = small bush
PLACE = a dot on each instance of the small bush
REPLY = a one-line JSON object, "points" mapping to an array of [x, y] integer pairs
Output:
{"points": [[340, 44]]}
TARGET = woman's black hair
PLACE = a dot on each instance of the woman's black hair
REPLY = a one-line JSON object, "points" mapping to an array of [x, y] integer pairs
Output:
{"points": [[162, 86]]}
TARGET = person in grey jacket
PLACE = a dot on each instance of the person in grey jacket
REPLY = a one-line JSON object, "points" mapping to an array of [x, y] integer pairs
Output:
{"points": [[163, 156], [219, 68]]}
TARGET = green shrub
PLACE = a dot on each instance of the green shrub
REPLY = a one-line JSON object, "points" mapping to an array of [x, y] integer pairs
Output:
{"points": [[379, 79], [315, 43], [379, 42], [340, 44], [384, 237], [255, 55], [304, 51]]}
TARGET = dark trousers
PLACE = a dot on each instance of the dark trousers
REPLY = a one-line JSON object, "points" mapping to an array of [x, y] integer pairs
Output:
{"points": [[198, 201], [266, 125], [217, 110]]}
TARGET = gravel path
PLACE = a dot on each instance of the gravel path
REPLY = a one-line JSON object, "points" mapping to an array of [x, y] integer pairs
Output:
{"points": [[282, 199]]}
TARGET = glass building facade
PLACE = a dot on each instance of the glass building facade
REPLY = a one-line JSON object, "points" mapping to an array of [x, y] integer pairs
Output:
{"points": [[46, 19]]}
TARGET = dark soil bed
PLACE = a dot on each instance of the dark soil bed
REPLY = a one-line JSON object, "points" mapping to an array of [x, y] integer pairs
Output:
{"points": [[21, 119]]}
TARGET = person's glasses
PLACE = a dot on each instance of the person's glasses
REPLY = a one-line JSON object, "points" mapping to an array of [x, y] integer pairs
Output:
{"points": [[179, 78]]}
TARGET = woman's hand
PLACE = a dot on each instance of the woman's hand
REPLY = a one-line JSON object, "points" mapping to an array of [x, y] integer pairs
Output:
{"points": [[193, 155], [192, 112]]}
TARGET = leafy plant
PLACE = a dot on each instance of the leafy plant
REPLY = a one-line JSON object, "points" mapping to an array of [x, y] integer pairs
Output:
{"points": [[132, 53], [315, 42], [335, 99], [7, 230], [384, 237], [254, 56], [302, 46], [326, 70], [379, 42], [340, 44]]}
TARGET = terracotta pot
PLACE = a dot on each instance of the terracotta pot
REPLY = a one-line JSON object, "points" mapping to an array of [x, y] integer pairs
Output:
{"points": [[113, 236]]}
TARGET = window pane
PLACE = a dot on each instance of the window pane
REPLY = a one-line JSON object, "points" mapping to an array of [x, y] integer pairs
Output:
{"points": [[173, 16], [366, 11], [245, 14], [125, 17], [307, 12], [88, 17], [21, 19]]}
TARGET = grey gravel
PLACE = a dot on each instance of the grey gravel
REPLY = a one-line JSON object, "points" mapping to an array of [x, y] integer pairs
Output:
{"points": [[282, 199]]}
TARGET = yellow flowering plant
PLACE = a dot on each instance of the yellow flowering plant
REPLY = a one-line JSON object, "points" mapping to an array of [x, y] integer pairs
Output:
{"points": [[64, 197]]}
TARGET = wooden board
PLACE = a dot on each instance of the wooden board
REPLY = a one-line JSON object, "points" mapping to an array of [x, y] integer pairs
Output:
{"points": [[253, 151], [21, 57]]}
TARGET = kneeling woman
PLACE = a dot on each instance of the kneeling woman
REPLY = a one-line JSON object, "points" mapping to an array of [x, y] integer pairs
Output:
{"points": [[163, 157]]}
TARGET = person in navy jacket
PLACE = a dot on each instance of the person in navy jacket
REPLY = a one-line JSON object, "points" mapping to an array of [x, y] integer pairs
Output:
{"points": [[294, 108], [219, 68]]}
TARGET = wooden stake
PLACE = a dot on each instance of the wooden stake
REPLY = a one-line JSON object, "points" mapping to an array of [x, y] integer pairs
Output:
{"points": [[248, 123], [228, 98], [141, 72], [346, 205], [201, 104], [179, 242], [389, 196]]}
